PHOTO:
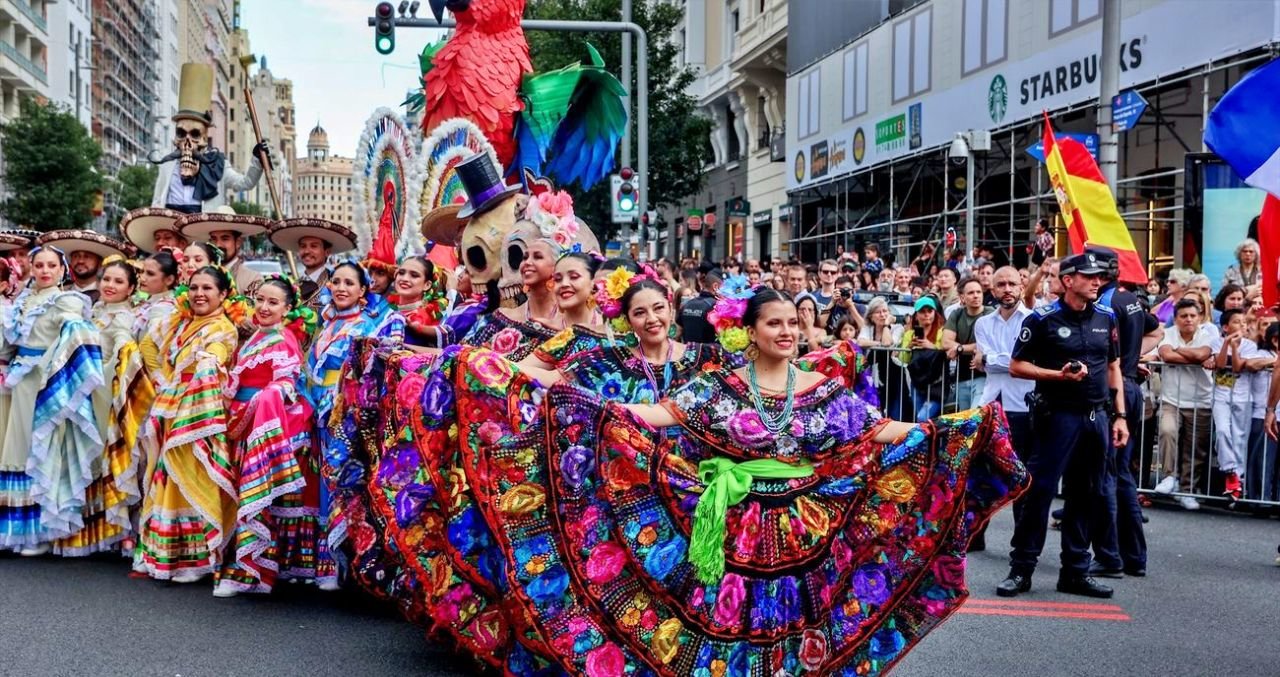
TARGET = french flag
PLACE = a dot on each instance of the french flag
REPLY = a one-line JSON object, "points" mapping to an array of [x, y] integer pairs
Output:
{"points": [[1244, 130]]}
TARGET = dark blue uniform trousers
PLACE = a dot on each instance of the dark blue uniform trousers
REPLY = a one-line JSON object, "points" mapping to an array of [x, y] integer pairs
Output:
{"points": [[1075, 448], [1119, 541]]}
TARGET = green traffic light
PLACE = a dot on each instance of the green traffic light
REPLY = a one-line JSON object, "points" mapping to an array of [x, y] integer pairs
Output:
{"points": [[626, 204], [384, 44]]}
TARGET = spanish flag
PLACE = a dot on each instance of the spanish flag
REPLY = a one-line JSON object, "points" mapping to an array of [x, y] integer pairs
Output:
{"points": [[1087, 205]]}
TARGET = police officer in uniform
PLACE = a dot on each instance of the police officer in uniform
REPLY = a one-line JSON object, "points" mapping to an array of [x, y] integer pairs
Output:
{"points": [[1070, 349], [1120, 545], [692, 320]]}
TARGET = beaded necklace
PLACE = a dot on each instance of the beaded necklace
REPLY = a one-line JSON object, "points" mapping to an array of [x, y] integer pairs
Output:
{"points": [[774, 424], [666, 369]]}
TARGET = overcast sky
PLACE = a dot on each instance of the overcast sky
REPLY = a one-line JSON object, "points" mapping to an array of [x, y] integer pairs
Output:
{"points": [[326, 48]]}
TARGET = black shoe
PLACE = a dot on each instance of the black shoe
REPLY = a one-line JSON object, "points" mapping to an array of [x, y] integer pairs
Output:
{"points": [[1100, 571], [1085, 586], [1014, 585], [1135, 572], [1145, 519], [978, 543]]}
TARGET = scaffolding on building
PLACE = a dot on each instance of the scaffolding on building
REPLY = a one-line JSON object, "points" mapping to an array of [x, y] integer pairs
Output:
{"points": [[913, 200], [125, 80]]}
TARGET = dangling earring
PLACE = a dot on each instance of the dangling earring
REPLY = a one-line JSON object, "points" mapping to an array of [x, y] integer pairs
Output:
{"points": [[752, 353], [551, 285]]}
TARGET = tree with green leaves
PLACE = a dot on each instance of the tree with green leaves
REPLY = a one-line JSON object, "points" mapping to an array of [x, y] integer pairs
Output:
{"points": [[49, 168], [677, 131], [134, 186]]}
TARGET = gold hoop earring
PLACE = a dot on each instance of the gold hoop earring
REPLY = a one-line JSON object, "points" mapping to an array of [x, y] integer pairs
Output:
{"points": [[752, 352]]}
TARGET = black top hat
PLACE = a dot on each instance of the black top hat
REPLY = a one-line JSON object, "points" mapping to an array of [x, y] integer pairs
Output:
{"points": [[484, 186]]}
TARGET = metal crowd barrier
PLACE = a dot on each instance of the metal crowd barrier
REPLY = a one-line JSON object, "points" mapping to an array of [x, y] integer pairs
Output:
{"points": [[1171, 440]]}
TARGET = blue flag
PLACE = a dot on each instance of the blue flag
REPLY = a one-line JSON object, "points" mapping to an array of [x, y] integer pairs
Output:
{"points": [[1244, 128]]}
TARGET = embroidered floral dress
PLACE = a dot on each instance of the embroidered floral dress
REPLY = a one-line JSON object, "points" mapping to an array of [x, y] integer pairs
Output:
{"points": [[189, 507], [276, 475], [342, 479], [121, 407], [836, 566], [512, 338], [48, 427]]}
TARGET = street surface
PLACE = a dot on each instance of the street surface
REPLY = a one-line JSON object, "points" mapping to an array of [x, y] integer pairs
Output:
{"points": [[1208, 607]]}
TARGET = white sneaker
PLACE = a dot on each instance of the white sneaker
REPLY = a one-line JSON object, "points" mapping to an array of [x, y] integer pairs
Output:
{"points": [[225, 589], [187, 576], [329, 585], [1168, 485], [1188, 503], [36, 550]]}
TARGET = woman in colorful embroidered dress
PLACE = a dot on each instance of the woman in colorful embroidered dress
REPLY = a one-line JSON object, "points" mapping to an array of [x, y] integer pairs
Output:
{"points": [[189, 507], [120, 409], [513, 331], [789, 528], [270, 425], [159, 277], [53, 358], [421, 297], [353, 312]]}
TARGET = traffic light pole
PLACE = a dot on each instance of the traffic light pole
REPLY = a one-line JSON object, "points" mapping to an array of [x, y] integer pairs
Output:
{"points": [[642, 74]]}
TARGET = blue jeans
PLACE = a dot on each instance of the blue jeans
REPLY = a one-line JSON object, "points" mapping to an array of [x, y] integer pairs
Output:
{"points": [[968, 392], [927, 402]]}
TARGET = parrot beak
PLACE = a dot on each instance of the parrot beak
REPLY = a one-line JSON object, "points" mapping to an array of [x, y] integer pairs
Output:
{"points": [[437, 9]]}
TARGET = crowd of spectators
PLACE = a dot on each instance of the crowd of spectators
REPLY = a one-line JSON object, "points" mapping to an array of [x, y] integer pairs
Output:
{"points": [[1205, 382]]}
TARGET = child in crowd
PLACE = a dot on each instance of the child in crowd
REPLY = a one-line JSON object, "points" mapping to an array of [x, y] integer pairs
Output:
{"points": [[1231, 399], [1260, 478]]}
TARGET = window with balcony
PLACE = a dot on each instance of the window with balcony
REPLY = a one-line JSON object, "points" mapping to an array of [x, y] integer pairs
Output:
{"points": [[855, 81], [985, 37], [1064, 15], [809, 104], [912, 54], [732, 32]]}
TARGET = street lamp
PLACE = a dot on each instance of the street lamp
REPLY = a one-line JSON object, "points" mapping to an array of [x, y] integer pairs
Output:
{"points": [[960, 148]]}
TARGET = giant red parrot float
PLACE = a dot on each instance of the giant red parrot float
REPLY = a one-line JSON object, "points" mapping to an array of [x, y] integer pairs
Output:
{"points": [[565, 124]]}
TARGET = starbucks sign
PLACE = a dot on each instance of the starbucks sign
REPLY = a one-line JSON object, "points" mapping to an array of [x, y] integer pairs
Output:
{"points": [[997, 98]]}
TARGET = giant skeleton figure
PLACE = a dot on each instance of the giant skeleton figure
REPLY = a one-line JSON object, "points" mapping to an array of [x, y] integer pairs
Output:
{"points": [[195, 178]]}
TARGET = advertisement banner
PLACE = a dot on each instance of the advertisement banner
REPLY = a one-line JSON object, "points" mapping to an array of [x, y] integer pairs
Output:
{"points": [[1229, 207]]}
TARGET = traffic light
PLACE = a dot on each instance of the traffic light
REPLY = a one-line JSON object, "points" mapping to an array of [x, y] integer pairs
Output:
{"points": [[384, 28], [626, 196]]}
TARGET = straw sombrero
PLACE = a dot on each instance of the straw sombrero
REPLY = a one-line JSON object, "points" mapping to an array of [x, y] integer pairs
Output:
{"points": [[140, 226], [198, 227], [86, 241], [287, 233], [442, 224]]}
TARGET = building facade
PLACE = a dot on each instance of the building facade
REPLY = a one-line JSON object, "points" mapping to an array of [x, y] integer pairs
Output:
{"points": [[125, 80], [24, 58], [168, 71], [873, 107], [738, 49], [322, 185], [70, 57]]}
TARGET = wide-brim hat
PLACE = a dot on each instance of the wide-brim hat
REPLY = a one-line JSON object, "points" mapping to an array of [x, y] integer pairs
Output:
{"points": [[27, 233], [199, 227], [484, 185], [443, 225], [86, 241], [140, 226], [10, 242], [288, 233]]}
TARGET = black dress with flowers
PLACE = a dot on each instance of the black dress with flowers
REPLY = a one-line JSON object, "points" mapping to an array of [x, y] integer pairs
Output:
{"points": [[590, 516]]}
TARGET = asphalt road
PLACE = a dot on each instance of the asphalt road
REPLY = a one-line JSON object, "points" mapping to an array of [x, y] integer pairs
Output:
{"points": [[1208, 607]]}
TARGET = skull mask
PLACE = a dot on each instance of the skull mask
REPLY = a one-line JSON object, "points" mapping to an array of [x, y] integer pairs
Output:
{"points": [[190, 139], [494, 244]]}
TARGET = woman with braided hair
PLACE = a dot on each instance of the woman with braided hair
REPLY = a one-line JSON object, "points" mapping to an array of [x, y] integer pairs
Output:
{"points": [[269, 426], [189, 507]]}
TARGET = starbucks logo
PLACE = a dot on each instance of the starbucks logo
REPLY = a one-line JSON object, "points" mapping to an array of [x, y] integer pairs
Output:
{"points": [[997, 98]]}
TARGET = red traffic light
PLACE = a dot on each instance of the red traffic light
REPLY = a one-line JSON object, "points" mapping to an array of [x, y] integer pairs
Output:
{"points": [[384, 10], [626, 173], [644, 218]]}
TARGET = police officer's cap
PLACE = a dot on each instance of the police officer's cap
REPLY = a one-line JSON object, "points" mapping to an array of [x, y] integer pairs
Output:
{"points": [[1088, 263], [1106, 257]]}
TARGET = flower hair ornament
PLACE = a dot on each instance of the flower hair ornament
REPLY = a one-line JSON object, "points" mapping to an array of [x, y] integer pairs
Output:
{"points": [[610, 289], [551, 212], [236, 306], [727, 314], [117, 258], [176, 253]]}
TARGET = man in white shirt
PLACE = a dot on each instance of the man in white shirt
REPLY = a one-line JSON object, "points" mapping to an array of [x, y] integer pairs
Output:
{"points": [[1186, 395], [995, 334]]}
